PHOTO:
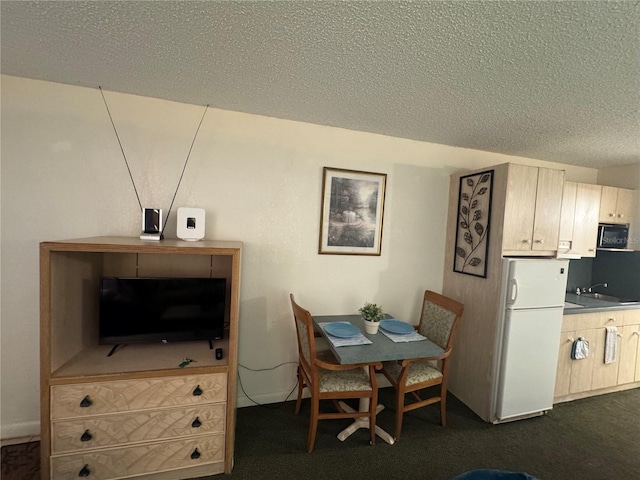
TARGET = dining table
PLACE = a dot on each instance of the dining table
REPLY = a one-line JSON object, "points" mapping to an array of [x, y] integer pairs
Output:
{"points": [[383, 346]]}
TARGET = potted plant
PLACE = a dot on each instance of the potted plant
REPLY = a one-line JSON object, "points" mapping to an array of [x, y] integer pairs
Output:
{"points": [[371, 314]]}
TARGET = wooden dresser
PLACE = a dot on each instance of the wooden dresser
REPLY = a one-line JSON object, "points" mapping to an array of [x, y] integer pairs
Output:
{"points": [[137, 413]]}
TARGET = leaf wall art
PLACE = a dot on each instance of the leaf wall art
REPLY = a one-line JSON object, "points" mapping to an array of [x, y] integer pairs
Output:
{"points": [[472, 227]]}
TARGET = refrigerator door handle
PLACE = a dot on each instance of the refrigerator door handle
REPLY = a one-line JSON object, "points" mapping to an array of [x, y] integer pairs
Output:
{"points": [[513, 294]]}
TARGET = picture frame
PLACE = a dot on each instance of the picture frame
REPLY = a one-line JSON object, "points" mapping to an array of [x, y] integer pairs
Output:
{"points": [[473, 223], [352, 212]]}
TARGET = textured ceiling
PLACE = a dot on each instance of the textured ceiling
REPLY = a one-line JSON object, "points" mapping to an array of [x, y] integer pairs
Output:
{"points": [[552, 80]]}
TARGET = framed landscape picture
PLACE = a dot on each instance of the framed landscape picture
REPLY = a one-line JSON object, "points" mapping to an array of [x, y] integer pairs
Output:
{"points": [[472, 226], [352, 211]]}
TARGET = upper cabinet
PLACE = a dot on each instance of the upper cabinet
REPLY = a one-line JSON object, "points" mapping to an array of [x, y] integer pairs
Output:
{"points": [[616, 205], [579, 217], [532, 210]]}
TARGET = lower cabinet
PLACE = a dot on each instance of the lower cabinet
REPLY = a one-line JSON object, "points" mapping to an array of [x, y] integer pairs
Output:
{"points": [[128, 428], [591, 375], [629, 370]]}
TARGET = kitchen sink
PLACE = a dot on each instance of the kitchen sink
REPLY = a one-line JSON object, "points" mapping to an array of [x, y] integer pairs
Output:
{"points": [[608, 298]]}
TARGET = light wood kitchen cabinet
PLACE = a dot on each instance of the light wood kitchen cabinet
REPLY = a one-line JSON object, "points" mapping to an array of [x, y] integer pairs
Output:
{"points": [[591, 376], [579, 217], [616, 205], [629, 354], [576, 376], [604, 374], [138, 413], [563, 374], [630, 348], [567, 211], [532, 209]]}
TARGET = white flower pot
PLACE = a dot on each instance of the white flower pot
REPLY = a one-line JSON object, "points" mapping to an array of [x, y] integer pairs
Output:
{"points": [[371, 327]]}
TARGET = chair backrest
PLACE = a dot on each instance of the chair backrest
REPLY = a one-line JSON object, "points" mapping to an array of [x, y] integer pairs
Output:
{"points": [[304, 330], [439, 318]]}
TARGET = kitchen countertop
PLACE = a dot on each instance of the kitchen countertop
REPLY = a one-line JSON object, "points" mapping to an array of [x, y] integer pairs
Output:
{"points": [[578, 304]]}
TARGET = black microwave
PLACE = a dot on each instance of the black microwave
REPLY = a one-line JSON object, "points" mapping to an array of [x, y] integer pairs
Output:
{"points": [[613, 236]]}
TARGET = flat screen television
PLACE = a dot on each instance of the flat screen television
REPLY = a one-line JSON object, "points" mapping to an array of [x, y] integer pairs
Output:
{"points": [[161, 309]]}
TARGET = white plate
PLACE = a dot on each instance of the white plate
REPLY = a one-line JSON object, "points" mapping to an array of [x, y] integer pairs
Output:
{"points": [[396, 326], [341, 330]]}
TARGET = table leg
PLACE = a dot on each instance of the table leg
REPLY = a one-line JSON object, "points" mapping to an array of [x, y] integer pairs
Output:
{"points": [[363, 422]]}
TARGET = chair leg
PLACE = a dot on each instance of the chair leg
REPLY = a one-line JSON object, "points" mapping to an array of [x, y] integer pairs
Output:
{"points": [[313, 424], [373, 410], [301, 386], [399, 412], [443, 407]]}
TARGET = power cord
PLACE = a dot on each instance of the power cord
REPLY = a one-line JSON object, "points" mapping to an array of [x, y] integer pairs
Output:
{"points": [[268, 406]]}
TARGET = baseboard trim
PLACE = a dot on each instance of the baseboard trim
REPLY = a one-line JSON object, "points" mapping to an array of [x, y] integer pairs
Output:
{"points": [[19, 432], [593, 393]]}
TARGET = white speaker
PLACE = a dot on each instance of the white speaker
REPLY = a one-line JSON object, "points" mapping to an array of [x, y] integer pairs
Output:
{"points": [[190, 224]]}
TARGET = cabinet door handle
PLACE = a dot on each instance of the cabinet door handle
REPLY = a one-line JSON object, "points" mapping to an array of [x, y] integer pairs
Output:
{"points": [[196, 423], [637, 332], [195, 454], [527, 241], [611, 320], [197, 392], [621, 215], [86, 402], [86, 436], [540, 241], [84, 471]]}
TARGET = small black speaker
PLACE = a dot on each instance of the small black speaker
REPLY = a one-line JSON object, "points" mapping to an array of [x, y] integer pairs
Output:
{"points": [[151, 224], [218, 354], [151, 220]]}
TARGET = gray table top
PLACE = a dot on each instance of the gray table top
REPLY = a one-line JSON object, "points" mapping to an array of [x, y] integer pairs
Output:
{"points": [[381, 350]]}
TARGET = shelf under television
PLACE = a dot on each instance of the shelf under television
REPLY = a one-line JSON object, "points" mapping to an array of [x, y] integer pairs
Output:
{"points": [[161, 358]]}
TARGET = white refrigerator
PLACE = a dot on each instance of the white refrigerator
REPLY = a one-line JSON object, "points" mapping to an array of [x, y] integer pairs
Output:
{"points": [[532, 301]]}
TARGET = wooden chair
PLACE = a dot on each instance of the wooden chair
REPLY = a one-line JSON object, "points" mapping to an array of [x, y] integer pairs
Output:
{"points": [[325, 378], [438, 322]]}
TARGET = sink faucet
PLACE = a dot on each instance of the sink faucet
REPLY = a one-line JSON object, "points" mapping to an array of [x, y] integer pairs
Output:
{"points": [[588, 289]]}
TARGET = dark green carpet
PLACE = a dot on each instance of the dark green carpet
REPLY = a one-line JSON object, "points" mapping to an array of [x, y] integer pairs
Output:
{"points": [[594, 438]]}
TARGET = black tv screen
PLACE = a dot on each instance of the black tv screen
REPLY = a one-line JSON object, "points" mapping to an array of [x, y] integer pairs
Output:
{"points": [[161, 309]]}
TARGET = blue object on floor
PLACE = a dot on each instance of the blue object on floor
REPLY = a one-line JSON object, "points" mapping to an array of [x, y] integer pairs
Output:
{"points": [[488, 474]]}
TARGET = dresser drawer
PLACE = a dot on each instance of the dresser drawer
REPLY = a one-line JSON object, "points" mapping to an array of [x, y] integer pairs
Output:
{"points": [[83, 399], [122, 428], [136, 460]]}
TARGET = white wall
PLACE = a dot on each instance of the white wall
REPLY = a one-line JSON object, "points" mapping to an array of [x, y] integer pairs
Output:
{"points": [[626, 176], [259, 180]]}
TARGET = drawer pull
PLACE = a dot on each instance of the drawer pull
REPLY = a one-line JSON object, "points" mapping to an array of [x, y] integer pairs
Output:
{"points": [[84, 472], [195, 454], [196, 423], [86, 436], [86, 402], [197, 392]]}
